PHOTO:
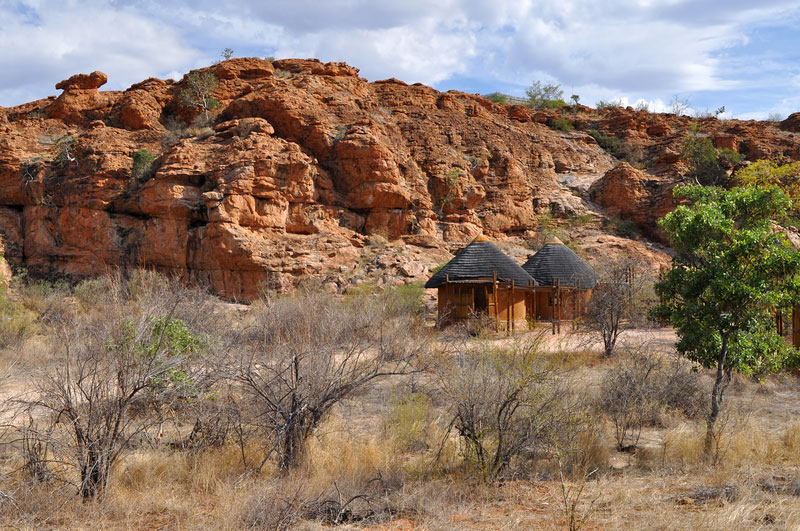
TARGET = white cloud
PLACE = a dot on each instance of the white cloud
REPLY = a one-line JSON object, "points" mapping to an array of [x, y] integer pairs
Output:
{"points": [[627, 49], [45, 43]]}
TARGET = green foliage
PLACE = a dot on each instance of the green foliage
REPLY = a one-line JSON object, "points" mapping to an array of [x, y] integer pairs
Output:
{"points": [[707, 165], [452, 177], [770, 173], [561, 123], [729, 273], [168, 336], [498, 98], [544, 96], [226, 54], [609, 104], [142, 164], [610, 143]]}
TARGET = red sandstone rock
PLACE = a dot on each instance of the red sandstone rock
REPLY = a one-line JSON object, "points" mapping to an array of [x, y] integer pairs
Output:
{"points": [[632, 194], [303, 162], [94, 80]]}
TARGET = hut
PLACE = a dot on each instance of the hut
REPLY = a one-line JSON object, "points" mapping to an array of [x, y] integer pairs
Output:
{"points": [[482, 279], [565, 281]]}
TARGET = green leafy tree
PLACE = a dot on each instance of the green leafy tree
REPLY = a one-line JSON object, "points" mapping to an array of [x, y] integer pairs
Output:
{"points": [[730, 272], [770, 173], [197, 93], [549, 96]]}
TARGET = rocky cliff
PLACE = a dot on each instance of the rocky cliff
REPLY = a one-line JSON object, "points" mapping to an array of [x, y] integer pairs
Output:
{"points": [[304, 169]]}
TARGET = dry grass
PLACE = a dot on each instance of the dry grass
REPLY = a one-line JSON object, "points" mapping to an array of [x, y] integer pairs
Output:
{"points": [[373, 462]]}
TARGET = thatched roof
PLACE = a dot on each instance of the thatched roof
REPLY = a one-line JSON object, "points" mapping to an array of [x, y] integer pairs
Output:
{"points": [[557, 261], [478, 261]]}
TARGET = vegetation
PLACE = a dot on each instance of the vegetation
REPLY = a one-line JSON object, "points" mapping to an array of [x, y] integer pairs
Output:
{"points": [[498, 98], [504, 403], [609, 104], [708, 166], [640, 388], [545, 96], [198, 92], [767, 172], [679, 105], [527, 428], [620, 301], [608, 142], [729, 273], [561, 123], [142, 164]]}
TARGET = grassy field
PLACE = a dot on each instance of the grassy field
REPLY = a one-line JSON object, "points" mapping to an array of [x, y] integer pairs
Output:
{"points": [[414, 447]]}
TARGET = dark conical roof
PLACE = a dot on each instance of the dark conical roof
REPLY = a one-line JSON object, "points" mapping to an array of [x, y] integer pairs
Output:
{"points": [[557, 261], [479, 260]]}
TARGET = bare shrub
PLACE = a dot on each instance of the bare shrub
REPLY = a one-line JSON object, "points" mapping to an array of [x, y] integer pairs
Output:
{"points": [[640, 387], [307, 353], [619, 301], [113, 375], [505, 403]]}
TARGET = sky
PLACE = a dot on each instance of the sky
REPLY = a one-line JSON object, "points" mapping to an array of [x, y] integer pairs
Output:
{"points": [[739, 54]]}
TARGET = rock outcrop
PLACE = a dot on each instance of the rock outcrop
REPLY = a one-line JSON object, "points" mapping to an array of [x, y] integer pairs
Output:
{"points": [[635, 195], [303, 166]]}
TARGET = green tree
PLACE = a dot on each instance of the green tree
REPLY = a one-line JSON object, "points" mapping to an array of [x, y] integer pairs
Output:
{"points": [[545, 96], [197, 93], [730, 271], [770, 173]]}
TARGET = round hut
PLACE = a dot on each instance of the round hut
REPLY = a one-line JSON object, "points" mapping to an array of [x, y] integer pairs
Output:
{"points": [[482, 279], [566, 283]]}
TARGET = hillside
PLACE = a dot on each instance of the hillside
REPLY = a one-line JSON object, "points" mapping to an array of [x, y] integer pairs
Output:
{"points": [[304, 166]]}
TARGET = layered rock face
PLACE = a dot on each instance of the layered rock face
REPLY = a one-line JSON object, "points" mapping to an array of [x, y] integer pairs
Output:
{"points": [[302, 163]]}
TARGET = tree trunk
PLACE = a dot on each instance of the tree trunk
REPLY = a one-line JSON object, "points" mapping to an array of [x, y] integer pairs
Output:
{"points": [[716, 398]]}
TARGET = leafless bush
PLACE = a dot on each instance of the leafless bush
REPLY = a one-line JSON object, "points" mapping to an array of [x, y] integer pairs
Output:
{"points": [[640, 387], [620, 300], [307, 353], [115, 373], [505, 403]]}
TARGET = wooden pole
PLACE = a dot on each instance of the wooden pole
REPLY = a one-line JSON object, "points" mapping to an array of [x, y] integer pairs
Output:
{"points": [[558, 299], [496, 309], [508, 312], [513, 320]]}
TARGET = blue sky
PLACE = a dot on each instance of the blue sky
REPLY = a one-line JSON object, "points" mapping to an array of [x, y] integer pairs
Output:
{"points": [[740, 54]]}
